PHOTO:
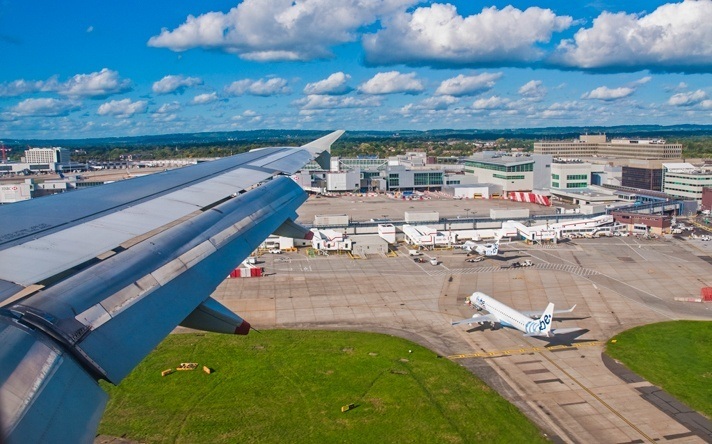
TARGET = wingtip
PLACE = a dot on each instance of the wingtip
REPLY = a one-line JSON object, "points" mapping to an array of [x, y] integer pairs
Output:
{"points": [[243, 328]]}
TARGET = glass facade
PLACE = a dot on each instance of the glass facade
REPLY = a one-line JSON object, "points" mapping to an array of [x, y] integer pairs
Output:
{"points": [[509, 177], [576, 177], [647, 179], [425, 179], [498, 167]]}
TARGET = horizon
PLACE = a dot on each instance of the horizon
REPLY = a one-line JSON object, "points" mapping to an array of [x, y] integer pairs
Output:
{"points": [[643, 131], [133, 69]]}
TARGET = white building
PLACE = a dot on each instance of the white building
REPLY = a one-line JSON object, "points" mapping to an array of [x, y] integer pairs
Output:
{"points": [[511, 173], [47, 155], [16, 192], [330, 240], [570, 175], [685, 181], [344, 180]]}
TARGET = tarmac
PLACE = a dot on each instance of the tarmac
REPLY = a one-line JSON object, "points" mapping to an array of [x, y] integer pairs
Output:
{"points": [[569, 389]]}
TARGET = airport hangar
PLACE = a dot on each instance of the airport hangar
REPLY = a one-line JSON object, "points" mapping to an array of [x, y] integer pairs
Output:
{"points": [[569, 392]]}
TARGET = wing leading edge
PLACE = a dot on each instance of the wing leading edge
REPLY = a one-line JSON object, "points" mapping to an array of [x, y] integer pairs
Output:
{"points": [[164, 243]]}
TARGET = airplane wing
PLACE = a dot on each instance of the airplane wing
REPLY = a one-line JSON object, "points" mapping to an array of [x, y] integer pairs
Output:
{"points": [[476, 319], [92, 280], [565, 331], [537, 313]]}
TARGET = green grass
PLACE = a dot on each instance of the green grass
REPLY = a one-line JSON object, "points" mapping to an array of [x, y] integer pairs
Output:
{"points": [[676, 356], [289, 386]]}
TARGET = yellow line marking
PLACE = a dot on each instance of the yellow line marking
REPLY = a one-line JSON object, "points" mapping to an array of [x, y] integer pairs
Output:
{"points": [[521, 351]]}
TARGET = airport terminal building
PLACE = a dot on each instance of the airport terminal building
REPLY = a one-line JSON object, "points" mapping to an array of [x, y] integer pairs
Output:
{"points": [[590, 145]]}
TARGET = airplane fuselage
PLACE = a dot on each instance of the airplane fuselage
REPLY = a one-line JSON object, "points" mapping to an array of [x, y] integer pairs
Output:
{"points": [[509, 317]]}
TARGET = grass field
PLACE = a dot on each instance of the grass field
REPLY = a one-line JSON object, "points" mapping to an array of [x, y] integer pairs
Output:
{"points": [[289, 386], [676, 356]]}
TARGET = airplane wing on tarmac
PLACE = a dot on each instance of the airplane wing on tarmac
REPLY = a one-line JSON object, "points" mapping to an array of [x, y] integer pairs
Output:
{"points": [[92, 280], [477, 319]]}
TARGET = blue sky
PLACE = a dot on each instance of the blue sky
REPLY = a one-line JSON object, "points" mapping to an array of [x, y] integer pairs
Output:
{"points": [[77, 69]]}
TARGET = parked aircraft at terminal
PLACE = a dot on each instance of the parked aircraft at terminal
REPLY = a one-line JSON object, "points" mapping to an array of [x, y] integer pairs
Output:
{"points": [[91, 281], [531, 323], [481, 249]]}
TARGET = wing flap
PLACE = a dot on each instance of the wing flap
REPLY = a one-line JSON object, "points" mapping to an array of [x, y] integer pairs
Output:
{"points": [[211, 315]]}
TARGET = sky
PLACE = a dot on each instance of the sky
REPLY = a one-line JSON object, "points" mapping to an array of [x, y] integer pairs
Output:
{"points": [[83, 69]]}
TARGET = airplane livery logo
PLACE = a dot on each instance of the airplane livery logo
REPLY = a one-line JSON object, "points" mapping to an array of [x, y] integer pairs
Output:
{"points": [[546, 320], [538, 326]]}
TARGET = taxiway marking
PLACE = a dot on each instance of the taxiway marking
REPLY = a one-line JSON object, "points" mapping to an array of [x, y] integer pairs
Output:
{"points": [[524, 350]]}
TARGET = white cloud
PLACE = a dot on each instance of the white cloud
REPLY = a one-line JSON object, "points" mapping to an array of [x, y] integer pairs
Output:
{"points": [[436, 103], [264, 88], [167, 108], [608, 94], [122, 108], [643, 80], [96, 85], [202, 99], [687, 98], [90, 29], [166, 112], [706, 104], [438, 36], [494, 102], [533, 90], [392, 82], [335, 84], [270, 30], [462, 85], [317, 102], [43, 108], [21, 86], [175, 84], [674, 37]]}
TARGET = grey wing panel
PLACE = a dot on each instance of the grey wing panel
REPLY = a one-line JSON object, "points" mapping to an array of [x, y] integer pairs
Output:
{"points": [[114, 313], [53, 252]]}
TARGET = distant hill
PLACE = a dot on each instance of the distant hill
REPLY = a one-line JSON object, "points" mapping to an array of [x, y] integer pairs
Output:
{"points": [[297, 137]]}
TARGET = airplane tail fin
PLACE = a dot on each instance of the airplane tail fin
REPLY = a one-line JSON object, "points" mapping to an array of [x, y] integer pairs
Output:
{"points": [[542, 327]]}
